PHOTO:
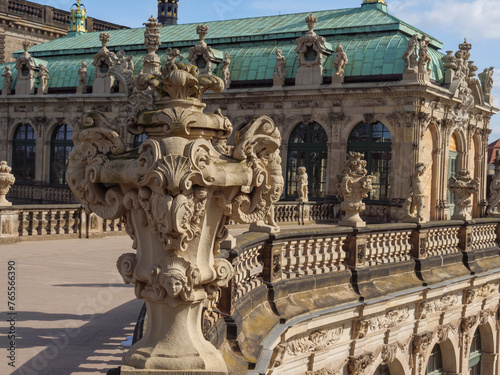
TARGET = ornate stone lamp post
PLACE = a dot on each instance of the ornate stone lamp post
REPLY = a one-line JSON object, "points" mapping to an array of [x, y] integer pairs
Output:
{"points": [[354, 185], [463, 186], [176, 193]]}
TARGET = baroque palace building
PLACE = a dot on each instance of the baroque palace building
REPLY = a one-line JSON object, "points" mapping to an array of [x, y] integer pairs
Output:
{"points": [[394, 298]]}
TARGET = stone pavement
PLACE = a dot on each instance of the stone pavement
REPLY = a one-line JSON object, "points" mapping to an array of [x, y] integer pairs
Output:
{"points": [[72, 307]]}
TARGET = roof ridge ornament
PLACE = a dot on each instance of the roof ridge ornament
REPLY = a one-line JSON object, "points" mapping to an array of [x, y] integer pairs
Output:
{"points": [[311, 22], [78, 17]]}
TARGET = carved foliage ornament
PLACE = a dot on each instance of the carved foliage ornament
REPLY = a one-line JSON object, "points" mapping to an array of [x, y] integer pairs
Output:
{"points": [[438, 305], [389, 320], [481, 292], [358, 365]]}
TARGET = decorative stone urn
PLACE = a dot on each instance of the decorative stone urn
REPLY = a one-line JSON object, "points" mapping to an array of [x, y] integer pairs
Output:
{"points": [[6, 181], [176, 192], [463, 186], [354, 185]]}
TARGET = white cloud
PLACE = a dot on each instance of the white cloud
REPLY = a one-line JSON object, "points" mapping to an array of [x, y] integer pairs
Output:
{"points": [[477, 19]]}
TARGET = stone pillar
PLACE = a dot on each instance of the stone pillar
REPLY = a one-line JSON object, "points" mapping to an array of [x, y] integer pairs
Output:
{"points": [[176, 197]]}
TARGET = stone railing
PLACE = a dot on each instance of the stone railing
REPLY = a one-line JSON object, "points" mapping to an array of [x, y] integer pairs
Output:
{"points": [[19, 223], [25, 8], [41, 194], [393, 249]]}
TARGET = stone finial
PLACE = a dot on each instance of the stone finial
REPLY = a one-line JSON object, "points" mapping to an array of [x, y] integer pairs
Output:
{"points": [[152, 35], [413, 208], [463, 186], [449, 61], [26, 45], [177, 193], [104, 38], [465, 46], [202, 31], [302, 185], [354, 185], [311, 22], [6, 181], [152, 42]]}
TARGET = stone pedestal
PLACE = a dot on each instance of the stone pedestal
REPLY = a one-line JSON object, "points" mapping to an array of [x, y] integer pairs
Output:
{"points": [[337, 81], [309, 75], [176, 196], [464, 187], [103, 85], [25, 86], [9, 223]]}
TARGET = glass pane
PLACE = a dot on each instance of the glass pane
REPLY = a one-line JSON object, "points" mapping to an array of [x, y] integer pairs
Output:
{"points": [[139, 139], [318, 134], [361, 133], [299, 134]]}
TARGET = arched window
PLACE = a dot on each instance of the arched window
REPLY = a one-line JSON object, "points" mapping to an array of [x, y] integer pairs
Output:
{"points": [[475, 354], [374, 141], [24, 153], [382, 370], [60, 147], [138, 139], [307, 148], [452, 169], [435, 363]]}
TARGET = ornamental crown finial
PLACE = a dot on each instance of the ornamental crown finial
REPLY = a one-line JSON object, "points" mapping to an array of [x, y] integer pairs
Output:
{"points": [[26, 45], [202, 31], [465, 46], [311, 22]]}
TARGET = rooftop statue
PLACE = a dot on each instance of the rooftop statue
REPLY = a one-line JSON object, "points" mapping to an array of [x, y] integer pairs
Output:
{"points": [[82, 79], [7, 81], [279, 69], [424, 59], [494, 207], [176, 194], [226, 74], [43, 79], [410, 55], [302, 184], [486, 79], [340, 61]]}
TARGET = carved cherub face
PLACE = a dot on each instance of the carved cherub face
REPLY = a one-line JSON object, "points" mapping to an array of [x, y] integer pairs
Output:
{"points": [[173, 282]]}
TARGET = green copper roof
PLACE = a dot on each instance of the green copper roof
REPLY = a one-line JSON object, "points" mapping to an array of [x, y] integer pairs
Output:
{"points": [[373, 40]]}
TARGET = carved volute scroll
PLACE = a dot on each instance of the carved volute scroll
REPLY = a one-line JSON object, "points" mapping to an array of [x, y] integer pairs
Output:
{"points": [[176, 192], [6, 181]]}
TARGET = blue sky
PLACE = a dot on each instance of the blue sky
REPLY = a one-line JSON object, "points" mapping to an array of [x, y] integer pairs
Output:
{"points": [[447, 20]]}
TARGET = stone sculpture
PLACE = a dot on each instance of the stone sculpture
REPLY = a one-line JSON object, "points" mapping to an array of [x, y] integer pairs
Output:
{"points": [[122, 70], [463, 186], [226, 74], [6, 181], [279, 69], [424, 59], [410, 55], [340, 61], [486, 79], [25, 66], [82, 79], [494, 207], [152, 41], [414, 206], [354, 185], [7, 81], [104, 60], [176, 196], [202, 55], [302, 185], [310, 49], [43, 80]]}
